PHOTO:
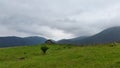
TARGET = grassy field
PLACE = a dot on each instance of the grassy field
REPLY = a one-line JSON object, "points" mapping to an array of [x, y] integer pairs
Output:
{"points": [[61, 56]]}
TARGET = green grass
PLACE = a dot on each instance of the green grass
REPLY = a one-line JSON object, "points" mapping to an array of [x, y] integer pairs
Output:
{"points": [[61, 56]]}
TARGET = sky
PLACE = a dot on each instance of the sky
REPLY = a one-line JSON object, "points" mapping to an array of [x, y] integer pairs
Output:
{"points": [[57, 19]]}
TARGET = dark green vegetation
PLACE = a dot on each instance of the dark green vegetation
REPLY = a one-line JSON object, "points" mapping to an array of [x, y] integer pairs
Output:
{"points": [[44, 49], [61, 56]]}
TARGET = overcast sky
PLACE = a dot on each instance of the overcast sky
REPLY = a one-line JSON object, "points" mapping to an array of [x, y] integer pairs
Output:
{"points": [[57, 19]]}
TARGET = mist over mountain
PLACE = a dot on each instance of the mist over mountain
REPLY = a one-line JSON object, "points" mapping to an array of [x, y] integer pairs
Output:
{"points": [[106, 36], [72, 41], [18, 41], [57, 19]]}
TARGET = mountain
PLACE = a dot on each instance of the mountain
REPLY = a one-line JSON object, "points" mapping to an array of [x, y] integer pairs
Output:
{"points": [[71, 41], [106, 36], [34, 40], [18, 41]]}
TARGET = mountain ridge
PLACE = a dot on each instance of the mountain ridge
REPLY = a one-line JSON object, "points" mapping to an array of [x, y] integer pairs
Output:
{"points": [[106, 36], [10, 41]]}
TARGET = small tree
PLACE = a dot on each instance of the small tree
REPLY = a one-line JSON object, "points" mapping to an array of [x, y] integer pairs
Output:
{"points": [[49, 42], [44, 49]]}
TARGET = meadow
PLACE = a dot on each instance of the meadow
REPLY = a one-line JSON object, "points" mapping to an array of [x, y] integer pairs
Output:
{"points": [[61, 56]]}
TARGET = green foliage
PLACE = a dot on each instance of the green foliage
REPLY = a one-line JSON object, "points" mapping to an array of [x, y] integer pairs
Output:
{"points": [[44, 49]]}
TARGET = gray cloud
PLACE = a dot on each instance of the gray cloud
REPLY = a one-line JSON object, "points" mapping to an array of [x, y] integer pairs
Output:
{"points": [[57, 19]]}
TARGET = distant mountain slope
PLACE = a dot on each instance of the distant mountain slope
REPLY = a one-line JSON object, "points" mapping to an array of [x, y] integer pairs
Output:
{"points": [[71, 41], [17, 41], [107, 36], [34, 40]]}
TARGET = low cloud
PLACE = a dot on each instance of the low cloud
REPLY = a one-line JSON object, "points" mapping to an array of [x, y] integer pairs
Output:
{"points": [[57, 19]]}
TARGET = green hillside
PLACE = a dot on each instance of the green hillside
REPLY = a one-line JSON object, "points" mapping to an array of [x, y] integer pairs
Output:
{"points": [[61, 56]]}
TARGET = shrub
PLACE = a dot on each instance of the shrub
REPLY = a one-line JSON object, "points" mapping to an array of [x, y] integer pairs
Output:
{"points": [[49, 42], [44, 49], [113, 44]]}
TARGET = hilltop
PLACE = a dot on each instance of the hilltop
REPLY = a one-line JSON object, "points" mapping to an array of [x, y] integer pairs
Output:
{"points": [[109, 35], [18, 41]]}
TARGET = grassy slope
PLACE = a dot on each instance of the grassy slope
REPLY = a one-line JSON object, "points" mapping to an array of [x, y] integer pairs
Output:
{"points": [[61, 57]]}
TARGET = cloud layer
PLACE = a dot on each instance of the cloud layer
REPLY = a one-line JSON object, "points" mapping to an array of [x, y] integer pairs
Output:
{"points": [[57, 19]]}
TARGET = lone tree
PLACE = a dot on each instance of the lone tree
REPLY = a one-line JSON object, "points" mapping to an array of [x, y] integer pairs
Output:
{"points": [[44, 49], [49, 42]]}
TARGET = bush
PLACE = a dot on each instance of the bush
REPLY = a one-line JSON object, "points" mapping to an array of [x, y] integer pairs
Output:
{"points": [[113, 44], [44, 49]]}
